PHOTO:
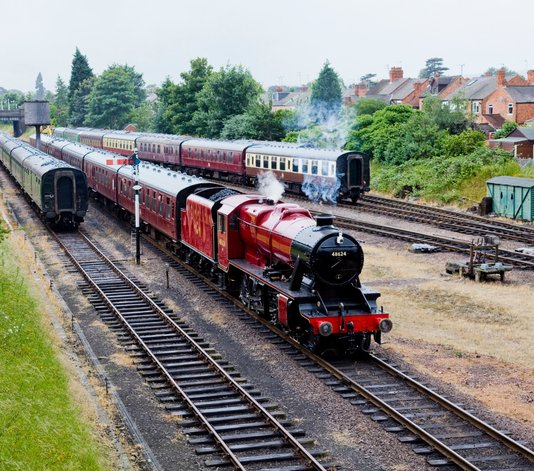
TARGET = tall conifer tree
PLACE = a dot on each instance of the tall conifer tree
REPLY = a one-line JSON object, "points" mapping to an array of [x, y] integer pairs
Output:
{"points": [[80, 71]]}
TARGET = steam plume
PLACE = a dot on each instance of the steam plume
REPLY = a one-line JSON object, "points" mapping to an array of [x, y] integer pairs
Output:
{"points": [[269, 186]]}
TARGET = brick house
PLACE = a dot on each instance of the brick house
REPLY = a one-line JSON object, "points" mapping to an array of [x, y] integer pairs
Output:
{"points": [[513, 100], [478, 90], [519, 142], [395, 91]]}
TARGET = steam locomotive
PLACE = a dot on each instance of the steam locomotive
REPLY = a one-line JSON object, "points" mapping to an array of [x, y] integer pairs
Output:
{"points": [[321, 175], [58, 190], [299, 272]]}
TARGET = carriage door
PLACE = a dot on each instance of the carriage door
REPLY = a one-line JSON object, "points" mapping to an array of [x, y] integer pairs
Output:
{"points": [[222, 239], [64, 191], [355, 171]]}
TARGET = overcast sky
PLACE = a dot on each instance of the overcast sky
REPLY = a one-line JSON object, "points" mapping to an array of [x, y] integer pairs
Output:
{"points": [[279, 41]]}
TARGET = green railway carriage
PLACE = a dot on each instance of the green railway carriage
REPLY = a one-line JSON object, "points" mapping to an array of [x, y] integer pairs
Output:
{"points": [[58, 189]]}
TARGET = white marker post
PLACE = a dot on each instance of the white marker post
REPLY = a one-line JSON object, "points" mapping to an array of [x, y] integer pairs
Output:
{"points": [[137, 188]]}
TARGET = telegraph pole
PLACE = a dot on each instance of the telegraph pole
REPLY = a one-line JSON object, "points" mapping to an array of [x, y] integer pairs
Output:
{"points": [[135, 165]]}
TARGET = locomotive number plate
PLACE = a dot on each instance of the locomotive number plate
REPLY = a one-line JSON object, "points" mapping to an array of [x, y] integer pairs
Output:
{"points": [[339, 254]]}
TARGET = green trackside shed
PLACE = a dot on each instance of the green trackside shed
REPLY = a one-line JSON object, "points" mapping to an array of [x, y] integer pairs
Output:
{"points": [[513, 197]]}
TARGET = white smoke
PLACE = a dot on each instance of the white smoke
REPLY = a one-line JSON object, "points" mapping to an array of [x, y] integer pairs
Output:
{"points": [[269, 186], [321, 190], [323, 129]]}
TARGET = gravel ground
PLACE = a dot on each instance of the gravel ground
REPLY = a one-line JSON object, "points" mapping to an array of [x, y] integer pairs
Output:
{"points": [[351, 438]]}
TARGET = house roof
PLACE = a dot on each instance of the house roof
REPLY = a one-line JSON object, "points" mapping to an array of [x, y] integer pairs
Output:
{"points": [[510, 139], [528, 132], [494, 120], [522, 94], [477, 88], [512, 181], [389, 91]]}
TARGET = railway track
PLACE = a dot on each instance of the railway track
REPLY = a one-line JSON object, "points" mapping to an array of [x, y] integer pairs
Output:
{"points": [[445, 219], [437, 427], [519, 260], [223, 414]]}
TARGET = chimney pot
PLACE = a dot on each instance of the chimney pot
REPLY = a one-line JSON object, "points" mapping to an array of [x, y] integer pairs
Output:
{"points": [[501, 78], [395, 73], [530, 77]]}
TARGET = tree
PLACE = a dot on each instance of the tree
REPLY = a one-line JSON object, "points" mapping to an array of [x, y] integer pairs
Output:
{"points": [[493, 71], [39, 88], [368, 79], [434, 66], [80, 71], [183, 102], [113, 98], [325, 97], [79, 106], [448, 116], [165, 99], [372, 133], [258, 122], [143, 117], [506, 128], [59, 109], [368, 106], [226, 93], [138, 83]]}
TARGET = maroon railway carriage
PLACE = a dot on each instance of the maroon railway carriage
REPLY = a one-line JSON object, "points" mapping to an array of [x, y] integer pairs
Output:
{"points": [[217, 159], [160, 148]]}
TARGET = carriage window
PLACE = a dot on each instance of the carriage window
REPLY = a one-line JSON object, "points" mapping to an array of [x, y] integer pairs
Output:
{"points": [[305, 165], [265, 161], [282, 163], [221, 223], [258, 161], [324, 169], [274, 163], [332, 170], [147, 199], [168, 208], [154, 201], [219, 156], [296, 165], [314, 167], [248, 160], [160, 208]]}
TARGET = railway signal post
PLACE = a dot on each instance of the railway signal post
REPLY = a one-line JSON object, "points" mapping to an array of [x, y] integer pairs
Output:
{"points": [[135, 165]]}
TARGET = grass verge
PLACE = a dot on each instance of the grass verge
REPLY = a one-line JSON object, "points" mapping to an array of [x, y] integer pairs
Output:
{"points": [[41, 427]]}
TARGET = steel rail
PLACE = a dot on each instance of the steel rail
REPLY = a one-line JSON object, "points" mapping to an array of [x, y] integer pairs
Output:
{"points": [[521, 260], [480, 424], [375, 400], [449, 220], [292, 441]]}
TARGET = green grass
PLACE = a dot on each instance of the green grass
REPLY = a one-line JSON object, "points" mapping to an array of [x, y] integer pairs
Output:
{"points": [[41, 428]]}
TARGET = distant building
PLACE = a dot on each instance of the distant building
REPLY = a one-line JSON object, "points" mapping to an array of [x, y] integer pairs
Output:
{"points": [[519, 142]]}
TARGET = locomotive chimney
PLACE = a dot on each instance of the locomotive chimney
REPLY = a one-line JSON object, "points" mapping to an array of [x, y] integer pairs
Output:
{"points": [[324, 220]]}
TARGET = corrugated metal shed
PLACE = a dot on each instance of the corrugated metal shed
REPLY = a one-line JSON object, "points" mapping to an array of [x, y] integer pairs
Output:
{"points": [[513, 197]]}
